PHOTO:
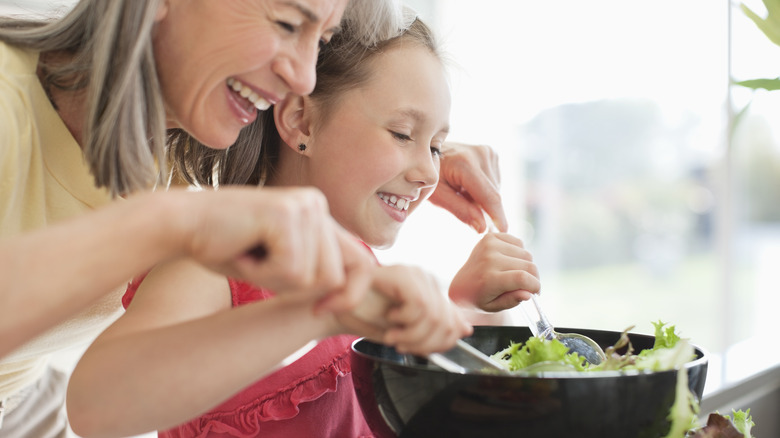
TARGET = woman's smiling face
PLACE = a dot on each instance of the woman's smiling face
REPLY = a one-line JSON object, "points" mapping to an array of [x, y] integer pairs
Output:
{"points": [[376, 156], [219, 61]]}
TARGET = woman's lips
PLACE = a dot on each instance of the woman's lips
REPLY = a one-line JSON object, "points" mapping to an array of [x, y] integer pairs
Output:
{"points": [[245, 92], [245, 112]]}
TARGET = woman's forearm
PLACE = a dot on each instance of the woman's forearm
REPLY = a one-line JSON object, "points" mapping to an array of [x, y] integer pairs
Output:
{"points": [[50, 274]]}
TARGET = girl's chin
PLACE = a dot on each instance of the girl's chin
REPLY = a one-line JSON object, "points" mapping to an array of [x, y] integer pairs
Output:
{"points": [[383, 242]]}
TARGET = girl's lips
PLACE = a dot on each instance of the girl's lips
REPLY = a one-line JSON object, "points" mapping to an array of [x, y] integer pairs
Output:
{"points": [[397, 207], [396, 201], [394, 213]]}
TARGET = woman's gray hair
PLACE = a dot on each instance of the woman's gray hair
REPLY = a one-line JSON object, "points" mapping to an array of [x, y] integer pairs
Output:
{"points": [[113, 62], [125, 140], [374, 21]]}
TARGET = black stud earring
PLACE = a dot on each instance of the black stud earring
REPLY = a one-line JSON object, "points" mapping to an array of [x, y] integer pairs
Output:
{"points": [[301, 147]]}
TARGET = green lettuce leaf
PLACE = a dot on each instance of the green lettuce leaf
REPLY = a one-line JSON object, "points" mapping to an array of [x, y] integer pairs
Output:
{"points": [[553, 355], [682, 414], [743, 422]]}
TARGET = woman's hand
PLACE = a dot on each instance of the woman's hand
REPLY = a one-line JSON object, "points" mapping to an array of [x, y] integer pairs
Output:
{"points": [[468, 184], [498, 274], [301, 247], [406, 309]]}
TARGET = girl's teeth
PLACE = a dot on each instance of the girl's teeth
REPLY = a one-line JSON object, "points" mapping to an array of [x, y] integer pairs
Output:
{"points": [[396, 202], [247, 93]]}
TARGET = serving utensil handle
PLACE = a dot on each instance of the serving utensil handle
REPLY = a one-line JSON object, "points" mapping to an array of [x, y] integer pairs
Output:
{"points": [[537, 321]]}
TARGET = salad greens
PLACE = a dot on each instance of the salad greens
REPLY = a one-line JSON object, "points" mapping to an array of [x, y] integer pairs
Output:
{"points": [[537, 354], [719, 426], [669, 352]]}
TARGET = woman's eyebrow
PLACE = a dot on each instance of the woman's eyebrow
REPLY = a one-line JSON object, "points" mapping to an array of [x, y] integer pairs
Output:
{"points": [[303, 9], [310, 15]]}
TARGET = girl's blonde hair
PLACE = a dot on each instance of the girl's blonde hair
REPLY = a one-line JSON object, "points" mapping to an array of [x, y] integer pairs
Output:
{"points": [[344, 64], [125, 139]]}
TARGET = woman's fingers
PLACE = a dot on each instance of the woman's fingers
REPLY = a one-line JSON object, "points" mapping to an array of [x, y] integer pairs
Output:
{"points": [[301, 244], [469, 181], [358, 267]]}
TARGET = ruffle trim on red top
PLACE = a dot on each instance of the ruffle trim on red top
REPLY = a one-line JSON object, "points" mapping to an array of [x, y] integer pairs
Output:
{"points": [[246, 421]]}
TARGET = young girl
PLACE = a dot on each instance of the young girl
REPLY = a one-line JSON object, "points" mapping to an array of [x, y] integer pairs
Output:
{"points": [[369, 138]]}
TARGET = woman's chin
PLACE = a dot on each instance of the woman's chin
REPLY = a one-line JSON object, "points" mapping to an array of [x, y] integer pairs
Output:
{"points": [[219, 140]]}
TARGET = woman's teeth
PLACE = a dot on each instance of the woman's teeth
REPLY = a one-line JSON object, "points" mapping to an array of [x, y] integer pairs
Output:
{"points": [[395, 202], [260, 103]]}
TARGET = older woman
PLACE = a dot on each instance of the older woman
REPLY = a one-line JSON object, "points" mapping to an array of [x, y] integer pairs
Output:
{"points": [[91, 104]]}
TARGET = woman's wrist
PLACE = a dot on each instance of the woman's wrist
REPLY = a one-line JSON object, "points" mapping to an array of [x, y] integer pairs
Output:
{"points": [[174, 220]]}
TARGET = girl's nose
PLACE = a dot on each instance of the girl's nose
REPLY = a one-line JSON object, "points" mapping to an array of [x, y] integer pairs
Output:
{"points": [[425, 168]]}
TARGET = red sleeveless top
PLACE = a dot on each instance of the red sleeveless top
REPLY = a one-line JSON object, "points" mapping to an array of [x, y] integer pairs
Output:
{"points": [[312, 397]]}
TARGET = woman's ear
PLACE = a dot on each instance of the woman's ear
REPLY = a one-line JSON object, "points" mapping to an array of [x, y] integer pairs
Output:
{"points": [[292, 117]]}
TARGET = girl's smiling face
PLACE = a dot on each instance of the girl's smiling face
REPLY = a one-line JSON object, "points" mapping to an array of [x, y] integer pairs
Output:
{"points": [[376, 155], [219, 61]]}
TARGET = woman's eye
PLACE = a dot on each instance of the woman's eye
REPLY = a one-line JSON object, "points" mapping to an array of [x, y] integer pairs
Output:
{"points": [[286, 26], [436, 151], [323, 43]]}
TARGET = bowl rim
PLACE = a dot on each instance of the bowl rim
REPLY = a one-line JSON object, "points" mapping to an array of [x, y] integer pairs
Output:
{"points": [[699, 361]]}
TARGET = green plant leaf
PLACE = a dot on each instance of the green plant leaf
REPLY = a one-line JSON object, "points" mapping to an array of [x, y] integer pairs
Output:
{"points": [[769, 26], [766, 84]]}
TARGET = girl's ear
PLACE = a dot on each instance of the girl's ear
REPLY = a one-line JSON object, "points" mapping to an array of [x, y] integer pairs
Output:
{"points": [[292, 117]]}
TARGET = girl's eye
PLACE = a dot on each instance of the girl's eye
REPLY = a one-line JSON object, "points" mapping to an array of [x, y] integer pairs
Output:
{"points": [[401, 137], [323, 43], [436, 151]]}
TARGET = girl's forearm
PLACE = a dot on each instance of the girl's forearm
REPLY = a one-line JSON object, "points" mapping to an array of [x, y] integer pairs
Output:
{"points": [[119, 385]]}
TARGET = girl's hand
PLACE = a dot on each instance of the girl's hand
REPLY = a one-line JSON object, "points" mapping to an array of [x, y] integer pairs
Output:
{"points": [[423, 320], [407, 310], [498, 275]]}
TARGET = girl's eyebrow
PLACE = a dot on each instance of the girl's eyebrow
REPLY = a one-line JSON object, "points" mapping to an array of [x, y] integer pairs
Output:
{"points": [[418, 116], [310, 15]]}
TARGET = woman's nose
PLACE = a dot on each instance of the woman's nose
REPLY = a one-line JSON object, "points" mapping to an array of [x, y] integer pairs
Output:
{"points": [[299, 69]]}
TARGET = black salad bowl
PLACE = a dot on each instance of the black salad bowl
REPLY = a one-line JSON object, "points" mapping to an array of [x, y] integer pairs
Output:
{"points": [[404, 396]]}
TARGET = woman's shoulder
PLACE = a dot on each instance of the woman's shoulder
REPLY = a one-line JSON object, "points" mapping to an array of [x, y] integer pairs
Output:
{"points": [[16, 60], [18, 83]]}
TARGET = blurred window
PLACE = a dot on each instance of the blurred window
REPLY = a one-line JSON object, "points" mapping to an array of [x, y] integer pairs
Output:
{"points": [[625, 168]]}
